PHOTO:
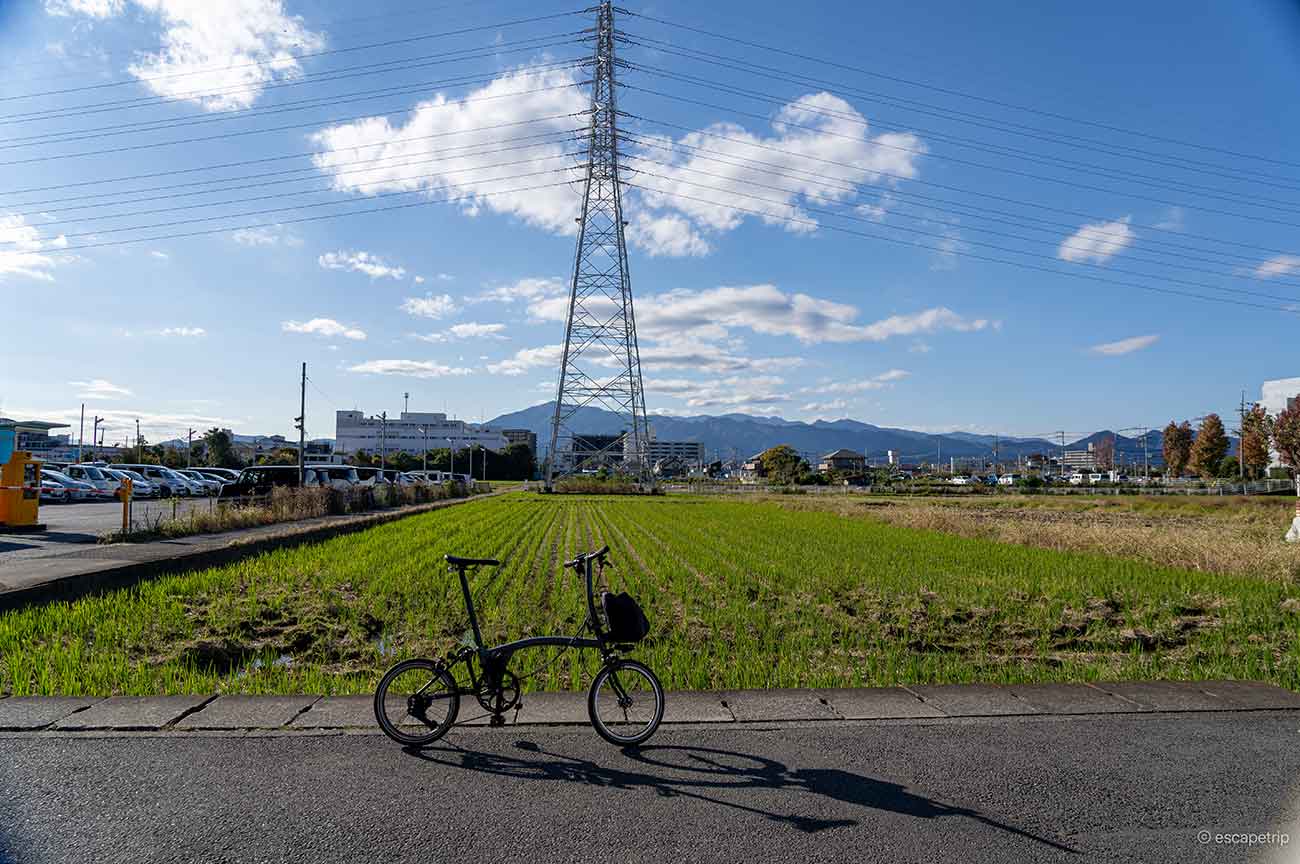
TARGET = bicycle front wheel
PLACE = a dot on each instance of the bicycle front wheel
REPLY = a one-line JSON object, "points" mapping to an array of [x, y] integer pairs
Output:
{"points": [[416, 702], [626, 703]]}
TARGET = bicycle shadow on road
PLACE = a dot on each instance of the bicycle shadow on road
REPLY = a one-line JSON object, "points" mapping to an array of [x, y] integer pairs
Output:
{"points": [[690, 772]]}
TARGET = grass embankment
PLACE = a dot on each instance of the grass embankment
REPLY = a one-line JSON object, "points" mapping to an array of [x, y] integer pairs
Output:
{"points": [[740, 594], [1231, 534], [284, 504]]}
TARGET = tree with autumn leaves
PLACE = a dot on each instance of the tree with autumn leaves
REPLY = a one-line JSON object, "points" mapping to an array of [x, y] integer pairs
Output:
{"points": [[1256, 432], [1177, 447], [1209, 448], [1286, 439]]}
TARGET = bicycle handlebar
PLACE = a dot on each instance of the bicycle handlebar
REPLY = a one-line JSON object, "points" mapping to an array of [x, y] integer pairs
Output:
{"points": [[599, 554]]}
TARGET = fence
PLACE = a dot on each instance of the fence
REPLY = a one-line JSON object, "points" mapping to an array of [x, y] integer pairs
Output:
{"points": [[1255, 487]]}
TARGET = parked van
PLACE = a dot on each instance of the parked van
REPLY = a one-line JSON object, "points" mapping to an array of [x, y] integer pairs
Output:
{"points": [[335, 476], [168, 481], [260, 480]]}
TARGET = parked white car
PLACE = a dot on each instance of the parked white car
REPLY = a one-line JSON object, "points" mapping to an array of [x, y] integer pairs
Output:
{"points": [[77, 490], [140, 487], [207, 484], [105, 485], [168, 481], [335, 476]]}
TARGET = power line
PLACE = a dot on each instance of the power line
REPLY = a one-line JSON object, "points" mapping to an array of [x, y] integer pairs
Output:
{"points": [[981, 146], [994, 246], [248, 200], [967, 162], [916, 180], [303, 219], [943, 112], [329, 52], [259, 212], [990, 231], [41, 207], [275, 128], [965, 95], [1016, 219], [975, 256], [264, 159], [326, 76]]}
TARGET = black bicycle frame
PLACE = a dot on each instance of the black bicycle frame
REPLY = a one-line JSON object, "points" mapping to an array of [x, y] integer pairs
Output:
{"points": [[498, 656]]}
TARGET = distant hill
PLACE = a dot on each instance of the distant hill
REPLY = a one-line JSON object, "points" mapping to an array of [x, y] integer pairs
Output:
{"points": [[742, 435]]}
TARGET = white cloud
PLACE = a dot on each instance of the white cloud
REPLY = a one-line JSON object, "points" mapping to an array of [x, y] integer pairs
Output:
{"points": [[1097, 242], [265, 235], [161, 256], [182, 331], [919, 346], [326, 327], [531, 289], [22, 251], [738, 393], [824, 409], [90, 8], [666, 235], [1125, 346], [429, 306], [882, 381], [468, 173], [1173, 220], [768, 310], [474, 330], [1279, 265], [408, 368], [688, 354], [818, 126], [528, 358], [362, 262], [98, 388], [218, 55]]}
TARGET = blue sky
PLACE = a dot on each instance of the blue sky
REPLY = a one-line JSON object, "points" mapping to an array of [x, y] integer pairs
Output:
{"points": [[460, 302]]}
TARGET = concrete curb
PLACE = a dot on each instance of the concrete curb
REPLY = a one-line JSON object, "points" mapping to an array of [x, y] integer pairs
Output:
{"points": [[94, 569], [181, 714]]}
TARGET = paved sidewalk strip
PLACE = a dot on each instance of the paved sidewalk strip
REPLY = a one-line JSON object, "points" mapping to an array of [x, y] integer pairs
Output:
{"points": [[914, 702]]}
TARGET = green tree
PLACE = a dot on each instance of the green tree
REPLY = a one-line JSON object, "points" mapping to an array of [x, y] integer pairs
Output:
{"points": [[1229, 468], [1256, 429], [1209, 448], [782, 463], [1177, 447], [220, 449]]}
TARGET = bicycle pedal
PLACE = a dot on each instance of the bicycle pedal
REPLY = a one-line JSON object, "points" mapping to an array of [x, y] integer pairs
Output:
{"points": [[496, 720]]}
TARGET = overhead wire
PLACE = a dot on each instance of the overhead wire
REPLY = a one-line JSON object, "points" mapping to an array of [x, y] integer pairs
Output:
{"points": [[300, 155], [970, 163], [948, 209], [269, 129], [981, 243], [43, 208], [973, 255], [705, 133], [323, 53], [326, 76], [946, 113], [1001, 103], [867, 122]]}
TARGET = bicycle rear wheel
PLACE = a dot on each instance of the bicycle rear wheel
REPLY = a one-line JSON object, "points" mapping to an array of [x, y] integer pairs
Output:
{"points": [[626, 703], [416, 702]]}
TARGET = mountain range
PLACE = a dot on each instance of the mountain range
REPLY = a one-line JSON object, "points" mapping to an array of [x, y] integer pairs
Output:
{"points": [[738, 436]]}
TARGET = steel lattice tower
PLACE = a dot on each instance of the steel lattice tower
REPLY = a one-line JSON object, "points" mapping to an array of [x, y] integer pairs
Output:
{"points": [[601, 365]]}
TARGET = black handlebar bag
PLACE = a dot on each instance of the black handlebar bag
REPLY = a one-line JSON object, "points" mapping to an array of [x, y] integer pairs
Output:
{"points": [[626, 621]]}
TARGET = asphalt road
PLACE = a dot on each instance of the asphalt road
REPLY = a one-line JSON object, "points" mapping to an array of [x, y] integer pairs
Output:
{"points": [[1127, 788], [71, 524]]}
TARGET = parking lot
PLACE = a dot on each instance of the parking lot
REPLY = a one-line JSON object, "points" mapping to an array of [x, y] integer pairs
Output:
{"points": [[83, 523]]}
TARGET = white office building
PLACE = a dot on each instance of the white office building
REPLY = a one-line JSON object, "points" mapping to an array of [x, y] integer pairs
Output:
{"points": [[410, 432], [1276, 397]]}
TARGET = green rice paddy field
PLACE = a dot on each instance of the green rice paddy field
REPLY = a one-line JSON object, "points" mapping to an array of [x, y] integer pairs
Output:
{"points": [[739, 593]]}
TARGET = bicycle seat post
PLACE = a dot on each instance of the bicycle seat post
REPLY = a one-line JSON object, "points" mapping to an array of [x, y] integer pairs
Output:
{"points": [[469, 604]]}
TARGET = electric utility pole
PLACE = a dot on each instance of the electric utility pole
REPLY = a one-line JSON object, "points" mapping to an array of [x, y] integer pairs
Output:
{"points": [[383, 440], [81, 432], [94, 431], [601, 364], [139, 445], [300, 423], [189, 450]]}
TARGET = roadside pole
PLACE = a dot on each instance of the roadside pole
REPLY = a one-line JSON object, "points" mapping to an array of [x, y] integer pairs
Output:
{"points": [[81, 433], [126, 505], [301, 422], [189, 449]]}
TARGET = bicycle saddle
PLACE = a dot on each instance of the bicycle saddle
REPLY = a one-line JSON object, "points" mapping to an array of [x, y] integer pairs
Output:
{"points": [[471, 562]]}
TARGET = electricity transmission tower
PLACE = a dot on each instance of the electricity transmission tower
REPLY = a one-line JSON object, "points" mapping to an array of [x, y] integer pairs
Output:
{"points": [[601, 365]]}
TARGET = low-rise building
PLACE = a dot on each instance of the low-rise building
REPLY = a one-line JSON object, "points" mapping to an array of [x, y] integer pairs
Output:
{"points": [[1080, 460], [522, 436], [1275, 397], [842, 461], [410, 432]]}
